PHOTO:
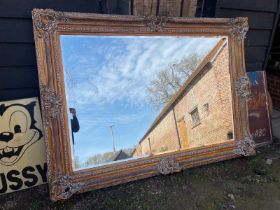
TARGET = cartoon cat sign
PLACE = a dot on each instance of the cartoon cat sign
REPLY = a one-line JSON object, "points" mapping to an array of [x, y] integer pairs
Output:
{"points": [[22, 151]]}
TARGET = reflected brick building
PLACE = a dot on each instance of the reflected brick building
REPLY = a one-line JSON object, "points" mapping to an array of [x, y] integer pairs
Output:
{"points": [[200, 113]]}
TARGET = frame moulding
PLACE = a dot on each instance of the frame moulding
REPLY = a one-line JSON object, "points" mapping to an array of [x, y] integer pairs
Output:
{"points": [[48, 25]]}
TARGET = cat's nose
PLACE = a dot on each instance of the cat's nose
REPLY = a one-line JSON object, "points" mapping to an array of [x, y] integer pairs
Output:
{"points": [[6, 136]]}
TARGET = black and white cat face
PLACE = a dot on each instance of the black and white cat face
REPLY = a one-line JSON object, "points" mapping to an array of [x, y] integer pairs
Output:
{"points": [[17, 131]]}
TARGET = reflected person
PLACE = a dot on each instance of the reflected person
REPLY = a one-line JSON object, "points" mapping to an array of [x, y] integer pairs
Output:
{"points": [[75, 126]]}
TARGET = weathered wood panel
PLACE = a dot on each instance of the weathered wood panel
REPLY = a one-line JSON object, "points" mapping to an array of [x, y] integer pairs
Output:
{"points": [[257, 20], [16, 30], [253, 5], [189, 8], [253, 66], [18, 77], [12, 94], [117, 7], [17, 54], [263, 16], [22, 9], [145, 7], [170, 7], [257, 38], [255, 54], [18, 69], [176, 8]]}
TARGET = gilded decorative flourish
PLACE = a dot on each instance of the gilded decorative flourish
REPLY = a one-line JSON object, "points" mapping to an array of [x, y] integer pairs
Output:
{"points": [[64, 187], [155, 23], [48, 22], [51, 101], [168, 166], [45, 21], [246, 146], [239, 27], [242, 87]]}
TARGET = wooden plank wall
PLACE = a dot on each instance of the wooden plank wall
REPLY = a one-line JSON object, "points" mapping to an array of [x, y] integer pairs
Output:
{"points": [[176, 8], [263, 16], [206, 8], [18, 70]]}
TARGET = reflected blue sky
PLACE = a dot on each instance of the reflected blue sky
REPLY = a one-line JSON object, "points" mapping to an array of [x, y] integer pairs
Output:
{"points": [[106, 78]]}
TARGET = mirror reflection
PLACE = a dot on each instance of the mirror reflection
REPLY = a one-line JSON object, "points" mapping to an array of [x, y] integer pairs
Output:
{"points": [[131, 97]]}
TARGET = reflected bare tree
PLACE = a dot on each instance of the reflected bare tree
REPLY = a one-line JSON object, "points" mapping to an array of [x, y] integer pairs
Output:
{"points": [[168, 81]]}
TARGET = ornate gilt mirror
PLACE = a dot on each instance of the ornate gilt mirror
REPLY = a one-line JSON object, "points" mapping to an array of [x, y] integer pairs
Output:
{"points": [[125, 98]]}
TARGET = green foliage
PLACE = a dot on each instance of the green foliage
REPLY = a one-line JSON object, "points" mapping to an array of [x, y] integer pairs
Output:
{"points": [[163, 149]]}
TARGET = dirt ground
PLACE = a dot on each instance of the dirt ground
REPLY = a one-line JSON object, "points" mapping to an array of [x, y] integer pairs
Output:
{"points": [[244, 183]]}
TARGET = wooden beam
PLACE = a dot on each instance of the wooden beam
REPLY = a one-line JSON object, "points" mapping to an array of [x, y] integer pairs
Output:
{"points": [[145, 7], [189, 8], [174, 8], [252, 5], [275, 25]]}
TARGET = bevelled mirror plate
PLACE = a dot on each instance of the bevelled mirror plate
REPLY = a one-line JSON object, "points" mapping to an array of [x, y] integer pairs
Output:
{"points": [[126, 98]]}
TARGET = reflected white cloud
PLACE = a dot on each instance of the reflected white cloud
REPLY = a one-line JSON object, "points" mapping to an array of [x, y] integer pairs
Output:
{"points": [[106, 78], [126, 66]]}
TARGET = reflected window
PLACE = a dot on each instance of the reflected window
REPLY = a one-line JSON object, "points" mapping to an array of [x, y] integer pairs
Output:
{"points": [[195, 117], [206, 108], [230, 135]]}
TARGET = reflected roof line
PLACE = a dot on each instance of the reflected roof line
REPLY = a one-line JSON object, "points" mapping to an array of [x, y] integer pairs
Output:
{"points": [[211, 56]]}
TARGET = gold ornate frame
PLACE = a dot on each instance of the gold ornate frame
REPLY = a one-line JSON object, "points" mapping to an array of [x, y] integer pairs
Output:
{"points": [[63, 181]]}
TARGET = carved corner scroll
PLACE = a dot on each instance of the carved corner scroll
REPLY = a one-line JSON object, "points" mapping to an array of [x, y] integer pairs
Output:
{"points": [[168, 166], [48, 24], [239, 27], [246, 146], [155, 23], [52, 103], [242, 87], [64, 187], [45, 21]]}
